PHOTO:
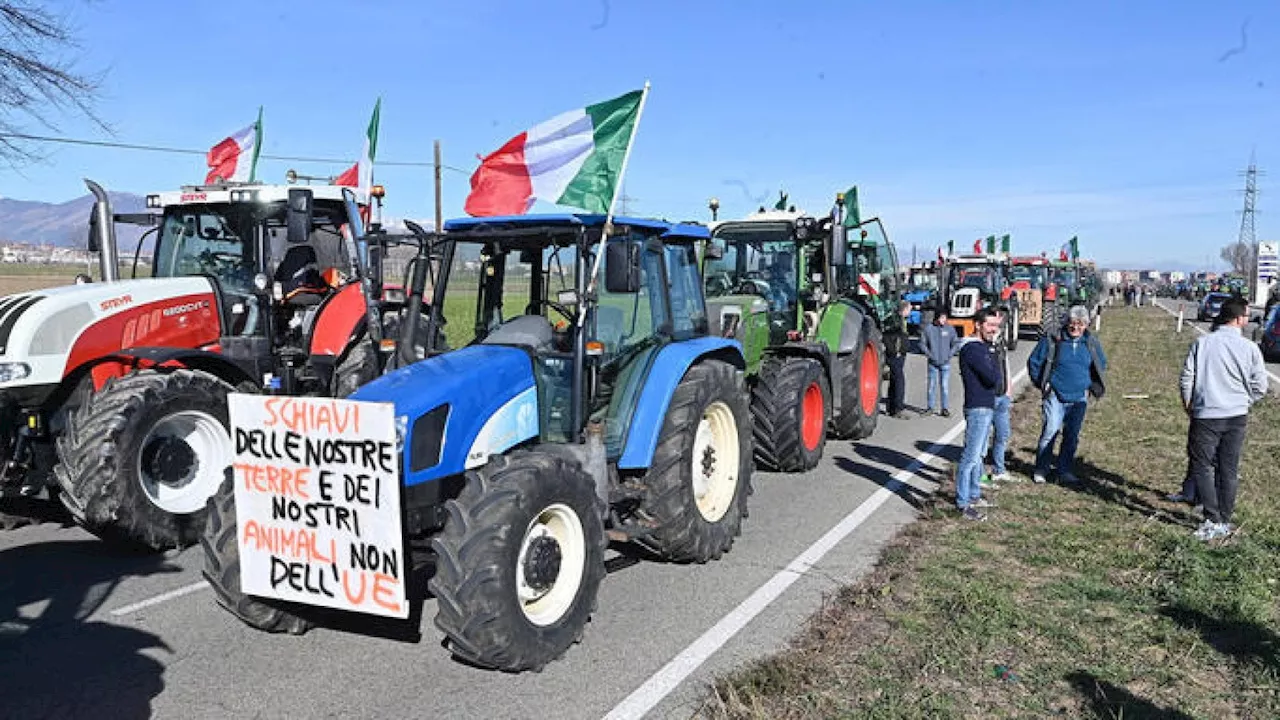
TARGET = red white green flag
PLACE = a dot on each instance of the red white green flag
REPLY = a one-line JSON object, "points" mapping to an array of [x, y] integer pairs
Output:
{"points": [[360, 175], [573, 159], [235, 159]]}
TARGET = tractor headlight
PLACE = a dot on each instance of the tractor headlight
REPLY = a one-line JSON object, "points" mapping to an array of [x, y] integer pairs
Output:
{"points": [[11, 371]]}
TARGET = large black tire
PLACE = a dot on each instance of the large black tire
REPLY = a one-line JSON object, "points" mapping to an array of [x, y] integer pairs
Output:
{"points": [[106, 453], [222, 569], [358, 366], [710, 400], [789, 430], [860, 383], [480, 571]]}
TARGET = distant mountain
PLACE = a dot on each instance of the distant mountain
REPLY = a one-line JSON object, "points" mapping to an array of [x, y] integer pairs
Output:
{"points": [[64, 224]]}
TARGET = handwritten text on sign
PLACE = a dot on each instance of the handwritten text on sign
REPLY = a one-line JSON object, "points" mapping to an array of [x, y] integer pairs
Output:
{"points": [[318, 502]]}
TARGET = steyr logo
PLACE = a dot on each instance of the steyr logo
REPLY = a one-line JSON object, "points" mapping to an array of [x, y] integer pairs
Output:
{"points": [[115, 302]]}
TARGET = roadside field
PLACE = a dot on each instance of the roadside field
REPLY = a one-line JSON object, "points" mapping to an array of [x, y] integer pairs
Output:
{"points": [[1093, 601]]}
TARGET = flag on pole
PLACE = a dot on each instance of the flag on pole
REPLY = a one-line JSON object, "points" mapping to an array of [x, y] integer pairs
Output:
{"points": [[940, 257], [951, 247], [1075, 248], [1004, 244], [782, 201], [235, 159], [991, 244], [360, 175], [573, 159], [852, 213], [977, 245]]}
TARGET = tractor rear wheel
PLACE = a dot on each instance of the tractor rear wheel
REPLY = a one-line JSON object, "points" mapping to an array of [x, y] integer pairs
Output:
{"points": [[519, 561], [700, 477], [222, 569], [791, 404], [860, 376], [141, 458]]}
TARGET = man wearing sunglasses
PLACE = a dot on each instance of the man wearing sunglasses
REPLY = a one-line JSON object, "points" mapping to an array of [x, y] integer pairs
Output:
{"points": [[1068, 369]]}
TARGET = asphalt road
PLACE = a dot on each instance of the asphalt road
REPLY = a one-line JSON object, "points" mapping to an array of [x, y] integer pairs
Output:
{"points": [[1189, 310], [85, 632]]}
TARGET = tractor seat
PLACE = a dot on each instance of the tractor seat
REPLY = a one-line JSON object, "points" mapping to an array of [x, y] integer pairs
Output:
{"points": [[530, 331], [299, 276]]}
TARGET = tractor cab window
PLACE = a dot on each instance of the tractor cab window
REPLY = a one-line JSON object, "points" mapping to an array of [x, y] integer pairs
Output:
{"points": [[217, 241], [982, 277], [688, 311], [626, 321], [1033, 275]]}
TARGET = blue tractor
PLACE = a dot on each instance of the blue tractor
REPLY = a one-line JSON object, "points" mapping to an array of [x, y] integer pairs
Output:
{"points": [[572, 414], [922, 292]]}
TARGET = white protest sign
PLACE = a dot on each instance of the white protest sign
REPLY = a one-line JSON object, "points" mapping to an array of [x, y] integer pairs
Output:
{"points": [[317, 485]]}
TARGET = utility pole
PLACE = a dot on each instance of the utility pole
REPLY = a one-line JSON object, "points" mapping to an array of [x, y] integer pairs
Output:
{"points": [[1248, 231], [624, 201]]}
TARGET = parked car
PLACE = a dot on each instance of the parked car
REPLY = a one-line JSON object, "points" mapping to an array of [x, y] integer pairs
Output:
{"points": [[1267, 333], [1211, 305]]}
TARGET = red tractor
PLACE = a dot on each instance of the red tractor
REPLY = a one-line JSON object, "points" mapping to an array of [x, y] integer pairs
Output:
{"points": [[113, 394]]}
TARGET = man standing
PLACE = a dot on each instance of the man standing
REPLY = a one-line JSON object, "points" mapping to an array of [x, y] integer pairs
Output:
{"points": [[939, 343], [981, 373], [1068, 369], [895, 350], [1002, 408], [1222, 377]]}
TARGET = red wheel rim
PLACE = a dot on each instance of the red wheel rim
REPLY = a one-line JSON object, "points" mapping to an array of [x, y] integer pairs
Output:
{"points": [[869, 379], [812, 415]]}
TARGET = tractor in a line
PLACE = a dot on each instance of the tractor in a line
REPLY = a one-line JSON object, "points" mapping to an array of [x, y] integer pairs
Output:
{"points": [[578, 412], [808, 298], [921, 290], [113, 394], [1037, 305], [974, 281]]}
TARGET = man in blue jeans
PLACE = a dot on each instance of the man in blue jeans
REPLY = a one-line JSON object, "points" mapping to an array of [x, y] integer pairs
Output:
{"points": [[939, 343], [1068, 369], [981, 373]]}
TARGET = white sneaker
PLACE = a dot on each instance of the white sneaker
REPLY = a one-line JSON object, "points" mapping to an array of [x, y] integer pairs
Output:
{"points": [[1039, 479], [1006, 477]]}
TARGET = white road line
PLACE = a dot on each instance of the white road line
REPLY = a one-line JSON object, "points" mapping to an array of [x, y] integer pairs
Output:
{"points": [[162, 597], [1201, 330], [664, 681]]}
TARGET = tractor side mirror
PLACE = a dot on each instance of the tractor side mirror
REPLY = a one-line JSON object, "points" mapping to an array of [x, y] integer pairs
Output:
{"points": [[94, 241], [298, 216], [622, 267], [839, 245]]}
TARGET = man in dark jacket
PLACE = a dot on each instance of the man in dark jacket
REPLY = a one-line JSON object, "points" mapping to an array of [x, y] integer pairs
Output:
{"points": [[895, 351], [981, 373], [939, 343], [1067, 369]]}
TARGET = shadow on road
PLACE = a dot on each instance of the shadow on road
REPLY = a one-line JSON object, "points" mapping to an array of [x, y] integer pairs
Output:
{"points": [[55, 660], [883, 477], [1108, 700]]}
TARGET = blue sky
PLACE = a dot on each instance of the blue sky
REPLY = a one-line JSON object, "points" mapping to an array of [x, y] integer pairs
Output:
{"points": [[1118, 122]]}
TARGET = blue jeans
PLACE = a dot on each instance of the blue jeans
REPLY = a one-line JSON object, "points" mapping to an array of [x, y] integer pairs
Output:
{"points": [[1001, 442], [943, 377], [977, 425], [1059, 417]]}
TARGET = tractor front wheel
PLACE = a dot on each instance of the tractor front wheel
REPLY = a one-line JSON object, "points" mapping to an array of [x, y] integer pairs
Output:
{"points": [[700, 477], [519, 561], [222, 569], [790, 403], [141, 458]]}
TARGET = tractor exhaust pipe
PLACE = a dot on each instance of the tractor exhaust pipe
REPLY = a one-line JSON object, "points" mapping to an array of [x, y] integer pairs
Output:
{"points": [[102, 233]]}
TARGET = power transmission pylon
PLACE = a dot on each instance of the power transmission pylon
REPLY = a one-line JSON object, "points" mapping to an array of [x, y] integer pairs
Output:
{"points": [[1248, 230]]}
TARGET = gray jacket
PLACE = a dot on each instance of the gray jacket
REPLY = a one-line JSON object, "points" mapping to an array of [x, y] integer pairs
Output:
{"points": [[1223, 375], [939, 343]]}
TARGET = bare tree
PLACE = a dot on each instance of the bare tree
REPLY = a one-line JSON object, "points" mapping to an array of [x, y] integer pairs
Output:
{"points": [[38, 78], [1240, 257]]}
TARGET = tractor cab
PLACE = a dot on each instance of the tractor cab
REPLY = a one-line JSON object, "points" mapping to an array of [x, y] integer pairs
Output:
{"points": [[974, 282]]}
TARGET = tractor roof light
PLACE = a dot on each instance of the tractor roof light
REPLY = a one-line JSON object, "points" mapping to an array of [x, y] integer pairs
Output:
{"points": [[378, 191]]}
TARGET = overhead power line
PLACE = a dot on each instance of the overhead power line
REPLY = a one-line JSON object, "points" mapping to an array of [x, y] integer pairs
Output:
{"points": [[187, 151]]}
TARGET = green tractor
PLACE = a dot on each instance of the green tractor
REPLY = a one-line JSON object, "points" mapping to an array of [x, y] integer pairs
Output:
{"points": [[808, 298]]}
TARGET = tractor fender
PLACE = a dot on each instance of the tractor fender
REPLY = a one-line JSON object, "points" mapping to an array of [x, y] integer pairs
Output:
{"points": [[337, 321], [160, 358], [459, 408], [842, 328], [668, 369]]}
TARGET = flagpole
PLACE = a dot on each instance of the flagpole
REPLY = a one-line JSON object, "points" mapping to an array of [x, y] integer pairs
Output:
{"points": [[608, 218]]}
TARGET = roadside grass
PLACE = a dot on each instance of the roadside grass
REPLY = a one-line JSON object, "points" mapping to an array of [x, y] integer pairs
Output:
{"points": [[1098, 600]]}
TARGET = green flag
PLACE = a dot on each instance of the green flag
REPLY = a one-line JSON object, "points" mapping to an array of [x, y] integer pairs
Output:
{"points": [[1004, 244], [1075, 248], [852, 215], [991, 244], [951, 247], [782, 201]]}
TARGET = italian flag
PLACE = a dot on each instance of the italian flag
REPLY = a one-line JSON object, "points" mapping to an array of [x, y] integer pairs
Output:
{"points": [[360, 175], [235, 159], [572, 159]]}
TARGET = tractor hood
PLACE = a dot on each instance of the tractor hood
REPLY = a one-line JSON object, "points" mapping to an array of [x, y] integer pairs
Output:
{"points": [[457, 409], [46, 334]]}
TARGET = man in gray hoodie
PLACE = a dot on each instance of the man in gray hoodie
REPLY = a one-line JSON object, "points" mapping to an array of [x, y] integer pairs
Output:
{"points": [[1222, 377], [939, 343]]}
